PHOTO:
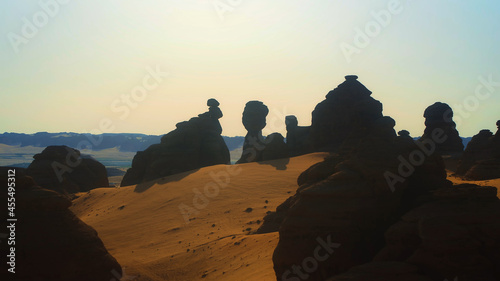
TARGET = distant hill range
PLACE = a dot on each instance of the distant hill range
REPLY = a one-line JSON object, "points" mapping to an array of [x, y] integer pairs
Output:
{"points": [[113, 150], [124, 142]]}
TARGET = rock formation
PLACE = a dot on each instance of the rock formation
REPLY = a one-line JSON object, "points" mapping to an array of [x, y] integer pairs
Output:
{"points": [[481, 158], [439, 120], [404, 133], [51, 242], [455, 235], [275, 147], [257, 147], [383, 271], [65, 170], [346, 109], [194, 144], [343, 214], [296, 136], [350, 199]]}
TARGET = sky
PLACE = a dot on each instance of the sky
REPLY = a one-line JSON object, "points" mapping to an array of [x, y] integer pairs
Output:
{"points": [[130, 66]]}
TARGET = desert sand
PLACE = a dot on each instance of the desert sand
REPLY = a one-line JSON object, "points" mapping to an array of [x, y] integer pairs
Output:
{"points": [[144, 229]]}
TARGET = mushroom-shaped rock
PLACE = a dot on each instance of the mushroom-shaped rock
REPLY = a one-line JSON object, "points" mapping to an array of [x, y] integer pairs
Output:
{"points": [[254, 120]]}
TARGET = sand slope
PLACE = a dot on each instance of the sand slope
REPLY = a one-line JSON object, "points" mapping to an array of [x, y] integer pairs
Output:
{"points": [[146, 231]]}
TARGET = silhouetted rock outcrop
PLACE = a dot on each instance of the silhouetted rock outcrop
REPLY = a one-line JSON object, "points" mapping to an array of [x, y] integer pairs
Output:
{"points": [[275, 147], [381, 209], [51, 242], [257, 147], [439, 121], [481, 158], [296, 136], [194, 144], [349, 200], [347, 108], [382, 271], [65, 170], [254, 120], [404, 133], [456, 235]]}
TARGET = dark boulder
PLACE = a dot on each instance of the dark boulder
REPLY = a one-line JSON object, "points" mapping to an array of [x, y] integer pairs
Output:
{"points": [[65, 170]]}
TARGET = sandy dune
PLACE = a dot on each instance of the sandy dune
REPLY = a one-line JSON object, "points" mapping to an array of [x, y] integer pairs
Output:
{"points": [[459, 180], [144, 229]]}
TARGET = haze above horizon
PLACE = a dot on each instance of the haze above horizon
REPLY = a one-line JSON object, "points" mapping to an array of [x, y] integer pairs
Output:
{"points": [[93, 66]]}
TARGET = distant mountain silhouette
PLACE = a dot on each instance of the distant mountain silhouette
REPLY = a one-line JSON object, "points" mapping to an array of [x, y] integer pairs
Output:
{"points": [[125, 142]]}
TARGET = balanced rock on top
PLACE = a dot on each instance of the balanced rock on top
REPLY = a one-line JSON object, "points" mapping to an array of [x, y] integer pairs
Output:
{"points": [[194, 144]]}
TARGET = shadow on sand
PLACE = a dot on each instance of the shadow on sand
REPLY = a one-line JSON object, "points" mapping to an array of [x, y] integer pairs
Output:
{"points": [[279, 164], [141, 187]]}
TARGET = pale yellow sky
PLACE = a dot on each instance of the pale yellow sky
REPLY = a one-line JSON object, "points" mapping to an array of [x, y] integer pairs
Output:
{"points": [[287, 54]]}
